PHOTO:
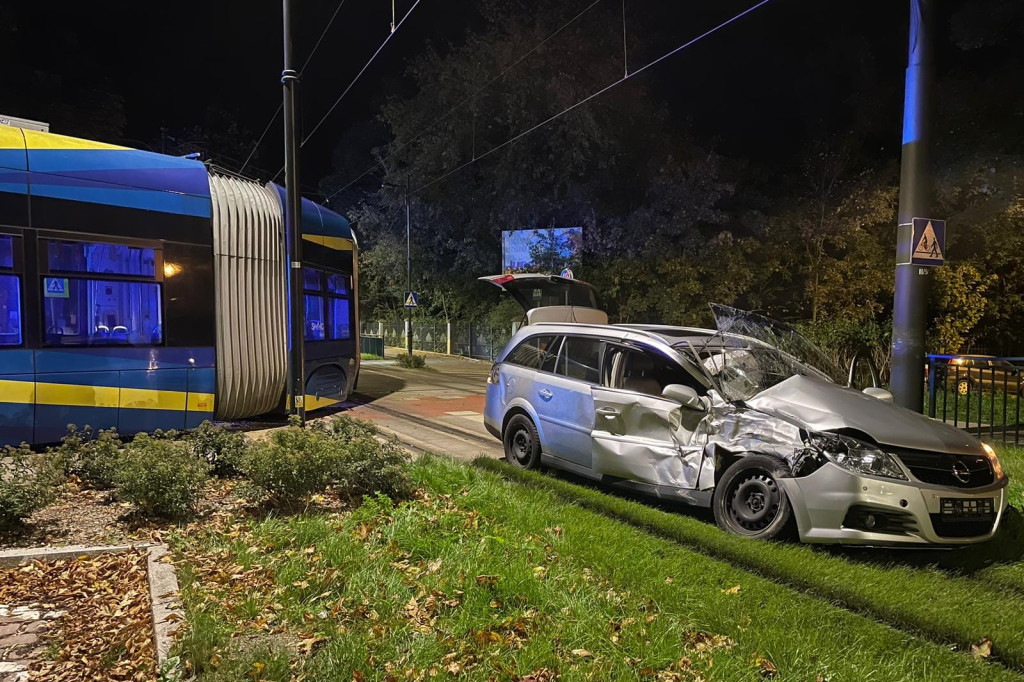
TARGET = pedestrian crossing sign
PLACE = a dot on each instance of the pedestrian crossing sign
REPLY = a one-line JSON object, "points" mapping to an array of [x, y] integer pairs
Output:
{"points": [[55, 287], [412, 299], [929, 242]]}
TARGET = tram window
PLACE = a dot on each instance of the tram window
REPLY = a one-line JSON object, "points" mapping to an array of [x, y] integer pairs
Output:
{"points": [[337, 284], [327, 305], [117, 259], [89, 312], [10, 310], [311, 279], [315, 318], [340, 327], [6, 251]]}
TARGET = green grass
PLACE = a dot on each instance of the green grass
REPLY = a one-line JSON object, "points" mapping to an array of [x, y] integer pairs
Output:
{"points": [[481, 578], [966, 411], [899, 588], [371, 356]]}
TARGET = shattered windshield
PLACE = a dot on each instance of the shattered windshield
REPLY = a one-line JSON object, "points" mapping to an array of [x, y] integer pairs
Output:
{"points": [[751, 353]]}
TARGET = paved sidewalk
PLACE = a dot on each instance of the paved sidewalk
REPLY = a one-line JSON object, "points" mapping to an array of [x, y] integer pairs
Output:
{"points": [[445, 403], [21, 638]]}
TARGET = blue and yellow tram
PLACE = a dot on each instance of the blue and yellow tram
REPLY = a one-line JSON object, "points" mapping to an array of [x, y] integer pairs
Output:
{"points": [[144, 291]]}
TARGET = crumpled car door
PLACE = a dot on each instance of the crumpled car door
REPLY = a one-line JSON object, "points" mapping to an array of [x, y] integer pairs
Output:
{"points": [[645, 438]]}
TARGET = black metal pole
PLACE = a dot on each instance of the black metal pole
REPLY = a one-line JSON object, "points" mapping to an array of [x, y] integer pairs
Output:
{"points": [[911, 294], [408, 271], [293, 231]]}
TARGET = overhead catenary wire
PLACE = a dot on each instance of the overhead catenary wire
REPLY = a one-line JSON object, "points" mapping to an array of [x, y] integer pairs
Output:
{"points": [[462, 103], [353, 82], [586, 99], [361, 71], [280, 106]]}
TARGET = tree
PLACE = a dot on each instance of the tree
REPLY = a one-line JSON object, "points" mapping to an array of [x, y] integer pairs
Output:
{"points": [[959, 304]]}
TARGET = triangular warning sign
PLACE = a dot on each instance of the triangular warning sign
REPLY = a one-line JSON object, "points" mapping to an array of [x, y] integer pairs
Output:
{"points": [[928, 247], [411, 301]]}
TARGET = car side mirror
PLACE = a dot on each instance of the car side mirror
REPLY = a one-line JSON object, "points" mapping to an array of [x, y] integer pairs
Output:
{"points": [[684, 395], [880, 393]]}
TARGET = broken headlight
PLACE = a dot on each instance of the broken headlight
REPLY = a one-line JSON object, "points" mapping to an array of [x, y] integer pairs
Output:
{"points": [[857, 456]]}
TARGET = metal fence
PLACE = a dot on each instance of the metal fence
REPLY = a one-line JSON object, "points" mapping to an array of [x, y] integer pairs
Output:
{"points": [[371, 345], [469, 339], [981, 395]]}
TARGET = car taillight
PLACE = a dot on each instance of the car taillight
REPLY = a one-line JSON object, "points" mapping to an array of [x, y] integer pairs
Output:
{"points": [[492, 378]]}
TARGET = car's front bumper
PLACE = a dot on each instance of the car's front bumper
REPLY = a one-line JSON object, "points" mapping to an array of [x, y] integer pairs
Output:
{"points": [[822, 504]]}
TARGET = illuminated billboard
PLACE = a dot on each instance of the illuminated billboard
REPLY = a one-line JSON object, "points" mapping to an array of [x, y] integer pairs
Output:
{"points": [[548, 251]]}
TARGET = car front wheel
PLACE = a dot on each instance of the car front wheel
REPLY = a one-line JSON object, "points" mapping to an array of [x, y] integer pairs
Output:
{"points": [[522, 443], [749, 501]]}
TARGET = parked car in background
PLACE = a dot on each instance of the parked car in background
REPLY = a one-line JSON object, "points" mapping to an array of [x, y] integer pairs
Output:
{"points": [[749, 419], [971, 373]]}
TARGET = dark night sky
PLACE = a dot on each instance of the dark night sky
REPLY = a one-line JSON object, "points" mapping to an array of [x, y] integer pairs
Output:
{"points": [[757, 89]]}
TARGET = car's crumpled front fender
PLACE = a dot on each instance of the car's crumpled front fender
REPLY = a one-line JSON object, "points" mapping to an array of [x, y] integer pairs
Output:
{"points": [[736, 430]]}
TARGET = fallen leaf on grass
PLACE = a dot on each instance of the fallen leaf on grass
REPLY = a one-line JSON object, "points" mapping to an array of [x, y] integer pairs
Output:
{"points": [[982, 649], [487, 580], [732, 590], [702, 641], [539, 675], [582, 653], [765, 667]]}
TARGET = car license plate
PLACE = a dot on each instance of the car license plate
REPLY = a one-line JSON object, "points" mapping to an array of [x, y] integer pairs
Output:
{"points": [[960, 508]]}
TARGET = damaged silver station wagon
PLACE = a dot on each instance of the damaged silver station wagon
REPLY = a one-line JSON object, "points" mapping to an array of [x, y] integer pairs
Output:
{"points": [[750, 419]]}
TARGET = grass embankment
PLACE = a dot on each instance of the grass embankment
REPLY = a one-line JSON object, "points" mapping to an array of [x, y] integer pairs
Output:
{"points": [[481, 578], [908, 590], [996, 410]]}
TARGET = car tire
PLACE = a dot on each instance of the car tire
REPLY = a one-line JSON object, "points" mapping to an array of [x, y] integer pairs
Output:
{"points": [[963, 386], [522, 443], [749, 501]]}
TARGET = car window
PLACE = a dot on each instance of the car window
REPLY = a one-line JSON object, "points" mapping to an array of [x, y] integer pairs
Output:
{"points": [[580, 358], [536, 352], [644, 372]]}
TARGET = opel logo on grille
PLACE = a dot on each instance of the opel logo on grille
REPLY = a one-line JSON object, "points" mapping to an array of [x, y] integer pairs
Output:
{"points": [[961, 472]]}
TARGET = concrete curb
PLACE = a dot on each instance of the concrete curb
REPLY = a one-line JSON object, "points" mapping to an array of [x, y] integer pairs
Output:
{"points": [[428, 353], [9, 558], [165, 607]]}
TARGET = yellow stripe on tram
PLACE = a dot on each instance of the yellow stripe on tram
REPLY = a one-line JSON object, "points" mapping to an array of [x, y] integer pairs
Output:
{"points": [[17, 391], [36, 139], [314, 403], [150, 399], [200, 402], [335, 243], [76, 395]]}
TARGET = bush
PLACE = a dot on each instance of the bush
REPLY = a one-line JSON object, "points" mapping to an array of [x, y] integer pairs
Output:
{"points": [[367, 466], [411, 361], [343, 453], [346, 428], [221, 448], [28, 482], [92, 458], [292, 463], [370, 467], [162, 477]]}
